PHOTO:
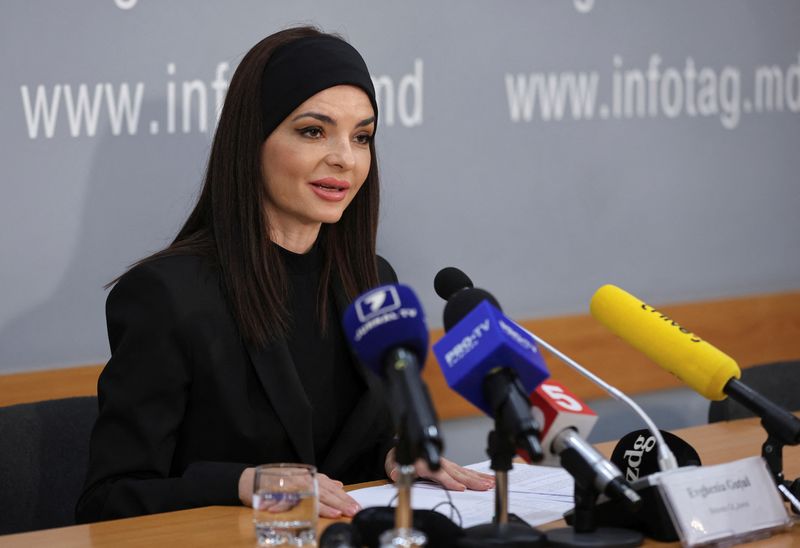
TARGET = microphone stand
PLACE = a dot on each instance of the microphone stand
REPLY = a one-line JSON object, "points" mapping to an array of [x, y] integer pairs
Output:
{"points": [[772, 453], [506, 529], [404, 535], [782, 429], [585, 531]]}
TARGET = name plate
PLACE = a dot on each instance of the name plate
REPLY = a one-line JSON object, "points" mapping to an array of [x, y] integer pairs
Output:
{"points": [[732, 500]]}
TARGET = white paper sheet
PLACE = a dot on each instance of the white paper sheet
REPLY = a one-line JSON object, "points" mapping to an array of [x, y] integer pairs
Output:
{"points": [[537, 494]]}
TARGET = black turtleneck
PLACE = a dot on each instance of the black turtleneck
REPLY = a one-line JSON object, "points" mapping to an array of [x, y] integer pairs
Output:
{"points": [[323, 361]]}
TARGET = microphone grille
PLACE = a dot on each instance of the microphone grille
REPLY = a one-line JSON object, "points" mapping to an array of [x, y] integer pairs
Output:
{"points": [[340, 535], [450, 280], [462, 304]]}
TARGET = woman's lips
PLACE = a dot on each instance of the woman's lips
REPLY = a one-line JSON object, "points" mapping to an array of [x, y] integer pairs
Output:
{"points": [[330, 189]]}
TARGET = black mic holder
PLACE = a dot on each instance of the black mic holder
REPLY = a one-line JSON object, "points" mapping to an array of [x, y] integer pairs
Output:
{"points": [[652, 518], [782, 428], [772, 452], [585, 530], [412, 411], [511, 407]]}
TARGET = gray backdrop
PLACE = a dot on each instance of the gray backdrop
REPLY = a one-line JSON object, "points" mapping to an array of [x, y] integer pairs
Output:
{"points": [[545, 148]]}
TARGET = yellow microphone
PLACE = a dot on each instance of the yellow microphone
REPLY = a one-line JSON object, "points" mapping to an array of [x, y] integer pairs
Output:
{"points": [[704, 368], [676, 349]]}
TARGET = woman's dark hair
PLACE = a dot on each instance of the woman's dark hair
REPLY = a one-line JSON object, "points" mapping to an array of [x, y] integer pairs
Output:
{"points": [[229, 224]]}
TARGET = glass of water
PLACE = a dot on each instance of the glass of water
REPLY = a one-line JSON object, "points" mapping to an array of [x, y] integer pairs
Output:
{"points": [[285, 504]]}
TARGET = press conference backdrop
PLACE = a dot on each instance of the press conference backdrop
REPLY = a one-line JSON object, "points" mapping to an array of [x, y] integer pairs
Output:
{"points": [[545, 148]]}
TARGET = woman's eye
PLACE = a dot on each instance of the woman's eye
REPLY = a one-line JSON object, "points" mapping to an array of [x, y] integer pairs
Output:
{"points": [[313, 132], [363, 138]]}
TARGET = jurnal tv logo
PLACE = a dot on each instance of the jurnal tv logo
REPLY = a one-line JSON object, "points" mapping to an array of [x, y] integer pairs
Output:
{"points": [[375, 303]]}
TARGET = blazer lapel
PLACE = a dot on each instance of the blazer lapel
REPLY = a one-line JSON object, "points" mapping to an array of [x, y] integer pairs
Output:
{"points": [[367, 411], [366, 417], [275, 369], [341, 302]]}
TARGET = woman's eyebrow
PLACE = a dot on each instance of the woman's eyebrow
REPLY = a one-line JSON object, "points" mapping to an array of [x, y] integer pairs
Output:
{"points": [[317, 116], [328, 120], [366, 121]]}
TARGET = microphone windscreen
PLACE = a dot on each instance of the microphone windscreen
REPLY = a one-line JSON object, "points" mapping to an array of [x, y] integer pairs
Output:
{"points": [[383, 319], [674, 348], [340, 535], [449, 280], [636, 453], [463, 302], [441, 532]]}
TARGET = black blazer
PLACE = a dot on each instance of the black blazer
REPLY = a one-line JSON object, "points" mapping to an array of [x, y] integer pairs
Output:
{"points": [[186, 405]]}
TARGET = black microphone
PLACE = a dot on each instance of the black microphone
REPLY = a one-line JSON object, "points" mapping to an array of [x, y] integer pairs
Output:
{"points": [[449, 281], [441, 532], [636, 454], [340, 535]]}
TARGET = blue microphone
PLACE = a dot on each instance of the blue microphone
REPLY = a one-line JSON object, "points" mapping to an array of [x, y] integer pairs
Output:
{"points": [[488, 359], [386, 329]]}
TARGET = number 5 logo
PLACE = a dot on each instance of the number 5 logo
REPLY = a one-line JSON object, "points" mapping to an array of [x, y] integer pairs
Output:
{"points": [[564, 400]]}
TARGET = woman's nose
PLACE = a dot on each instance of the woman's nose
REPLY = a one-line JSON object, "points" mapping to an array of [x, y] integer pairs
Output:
{"points": [[341, 154]]}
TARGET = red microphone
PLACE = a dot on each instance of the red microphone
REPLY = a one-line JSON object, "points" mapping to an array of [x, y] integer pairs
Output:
{"points": [[555, 408], [566, 421]]}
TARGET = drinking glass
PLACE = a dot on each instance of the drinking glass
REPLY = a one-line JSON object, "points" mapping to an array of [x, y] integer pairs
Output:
{"points": [[285, 504]]}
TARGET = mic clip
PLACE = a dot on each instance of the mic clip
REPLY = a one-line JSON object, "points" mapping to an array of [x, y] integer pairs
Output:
{"points": [[652, 518], [585, 521], [772, 453]]}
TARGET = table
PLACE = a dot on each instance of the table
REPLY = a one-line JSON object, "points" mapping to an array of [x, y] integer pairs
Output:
{"points": [[232, 526]]}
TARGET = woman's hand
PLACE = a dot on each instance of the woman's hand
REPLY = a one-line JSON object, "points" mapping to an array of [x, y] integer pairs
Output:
{"points": [[246, 481], [333, 501], [451, 476]]}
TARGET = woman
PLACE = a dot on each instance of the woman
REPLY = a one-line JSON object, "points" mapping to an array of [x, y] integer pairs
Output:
{"points": [[227, 350]]}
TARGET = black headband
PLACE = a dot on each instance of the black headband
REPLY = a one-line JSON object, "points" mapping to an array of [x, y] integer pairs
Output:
{"points": [[302, 68]]}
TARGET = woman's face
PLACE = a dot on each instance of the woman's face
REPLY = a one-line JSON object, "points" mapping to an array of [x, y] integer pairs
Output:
{"points": [[316, 160]]}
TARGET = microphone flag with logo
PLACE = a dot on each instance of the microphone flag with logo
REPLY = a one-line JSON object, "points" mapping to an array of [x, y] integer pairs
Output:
{"points": [[482, 341], [636, 456], [386, 329], [384, 318], [555, 408]]}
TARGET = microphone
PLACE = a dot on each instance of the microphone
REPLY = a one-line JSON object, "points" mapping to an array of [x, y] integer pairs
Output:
{"points": [[370, 523], [454, 282], [386, 329], [492, 363], [451, 280], [566, 421], [703, 367], [636, 454], [340, 535]]}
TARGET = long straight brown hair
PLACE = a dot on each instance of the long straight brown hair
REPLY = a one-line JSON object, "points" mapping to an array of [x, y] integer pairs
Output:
{"points": [[229, 223]]}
